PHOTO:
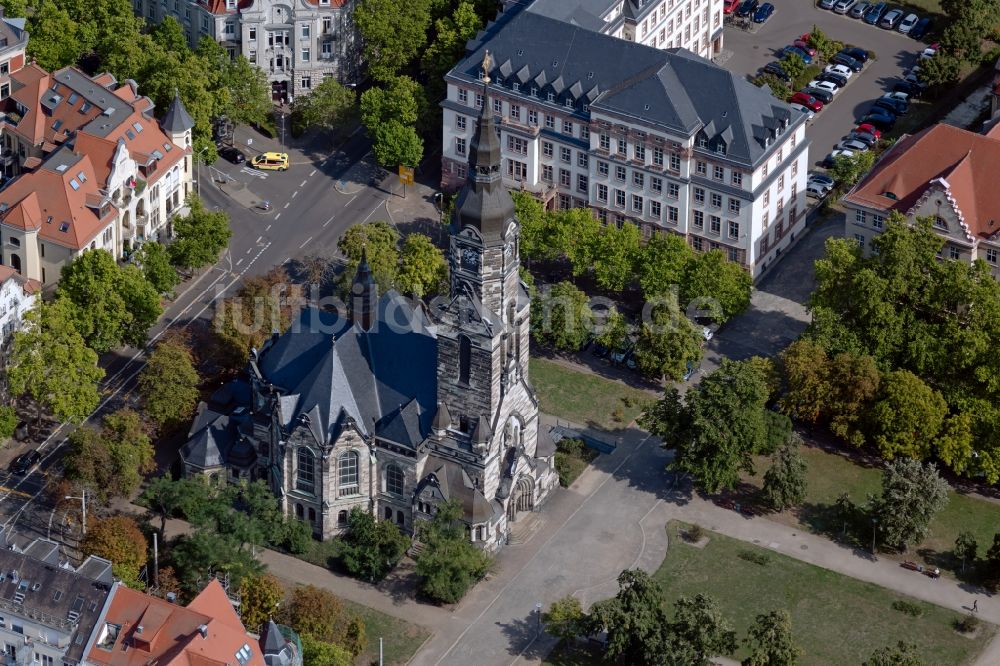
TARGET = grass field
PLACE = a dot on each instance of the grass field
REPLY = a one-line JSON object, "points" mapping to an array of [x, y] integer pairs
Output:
{"points": [[585, 398], [400, 639], [831, 474], [835, 619]]}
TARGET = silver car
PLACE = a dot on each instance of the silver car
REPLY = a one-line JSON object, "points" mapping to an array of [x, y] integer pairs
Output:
{"points": [[892, 19], [858, 10], [844, 6]]}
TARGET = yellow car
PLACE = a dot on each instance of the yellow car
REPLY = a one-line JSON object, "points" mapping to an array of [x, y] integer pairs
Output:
{"points": [[271, 161]]}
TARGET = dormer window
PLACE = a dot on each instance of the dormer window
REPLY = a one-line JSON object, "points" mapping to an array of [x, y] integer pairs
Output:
{"points": [[568, 102], [702, 141], [720, 147], [534, 91], [516, 86], [939, 222], [551, 97]]}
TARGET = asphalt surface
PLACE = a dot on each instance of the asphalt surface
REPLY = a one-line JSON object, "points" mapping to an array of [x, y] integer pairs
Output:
{"points": [[308, 213]]}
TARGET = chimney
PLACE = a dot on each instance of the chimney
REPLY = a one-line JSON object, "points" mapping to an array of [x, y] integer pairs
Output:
{"points": [[203, 630]]}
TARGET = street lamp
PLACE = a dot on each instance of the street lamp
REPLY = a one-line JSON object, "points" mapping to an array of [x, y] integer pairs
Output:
{"points": [[82, 498], [874, 527], [538, 617]]}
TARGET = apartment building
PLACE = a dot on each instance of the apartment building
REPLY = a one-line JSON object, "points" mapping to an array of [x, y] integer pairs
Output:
{"points": [[695, 25], [13, 42], [942, 172], [661, 138], [17, 295], [93, 169], [297, 44]]}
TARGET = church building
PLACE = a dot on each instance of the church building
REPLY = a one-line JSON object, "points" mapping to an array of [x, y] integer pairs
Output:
{"points": [[395, 406]]}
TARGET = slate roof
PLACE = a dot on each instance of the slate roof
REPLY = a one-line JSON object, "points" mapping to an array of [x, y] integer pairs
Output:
{"points": [[176, 119], [218, 435], [673, 88], [587, 13], [453, 482], [328, 369]]}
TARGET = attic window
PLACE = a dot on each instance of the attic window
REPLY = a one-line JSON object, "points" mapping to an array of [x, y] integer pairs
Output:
{"points": [[64, 227], [137, 126], [109, 636], [890, 195], [702, 141], [72, 98], [244, 654], [57, 595], [56, 125], [74, 184], [108, 111], [157, 154], [82, 177], [167, 147], [48, 220], [85, 107], [62, 167], [720, 148], [130, 134]]}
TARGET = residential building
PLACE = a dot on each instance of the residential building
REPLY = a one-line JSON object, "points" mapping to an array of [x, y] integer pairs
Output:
{"points": [[944, 173], [137, 629], [48, 609], [661, 138], [695, 25], [94, 169], [395, 406], [297, 44], [17, 296]]}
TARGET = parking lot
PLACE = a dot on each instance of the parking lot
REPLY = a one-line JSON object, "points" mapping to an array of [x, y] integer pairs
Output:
{"points": [[894, 54]]}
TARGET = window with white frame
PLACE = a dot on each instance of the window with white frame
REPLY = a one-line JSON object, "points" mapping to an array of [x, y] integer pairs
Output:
{"points": [[719, 173], [716, 200], [582, 183], [547, 148], [620, 198], [463, 96], [859, 239], [795, 168], [622, 147], [305, 470], [701, 168], [734, 229], [734, 206], [584, 130], [699, 195], [675, 162], [395, 482], [307, 82], [582, 160], [655, 209], [565, 155], [326, 50], [550, 122], [604, 142], [532, 117], [637, 203], [859, 216], [515, 111], [479, 101], [781, 182], [547, 173], [459, 146], [602, 168], [305, 55], [698, 219], [347, 474], [517, 170], [460, 122], [658, 157], [498, 106], [715, 224], [638, 179], [602, 193], [567, 127], [639, 151], [304, 30], [878, 220], [672, 214], [619, 172], [564, 177], [991, 255], [656, 184], [516, 144]]}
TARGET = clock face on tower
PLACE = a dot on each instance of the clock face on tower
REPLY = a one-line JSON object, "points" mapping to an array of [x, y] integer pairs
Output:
{"points": [[470, 259]]}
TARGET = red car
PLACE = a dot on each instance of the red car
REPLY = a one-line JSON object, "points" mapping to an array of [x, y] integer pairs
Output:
{"points": [[869, 129], [806, 100], [804, 45], [730, 6]]}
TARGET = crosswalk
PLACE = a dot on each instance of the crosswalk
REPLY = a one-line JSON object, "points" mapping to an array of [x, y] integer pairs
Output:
{"points": [[253, 172]]}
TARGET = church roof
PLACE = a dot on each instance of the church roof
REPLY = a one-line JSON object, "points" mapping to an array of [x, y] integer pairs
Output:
{"points": [[215, 440], [176, 119], [329, 369], [453, 482]]}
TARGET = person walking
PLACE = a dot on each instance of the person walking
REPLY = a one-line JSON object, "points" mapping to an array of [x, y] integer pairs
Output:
{"points": [[975, 605]]}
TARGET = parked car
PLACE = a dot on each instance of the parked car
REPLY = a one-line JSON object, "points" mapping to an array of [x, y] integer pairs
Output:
{"points": [[921, 28], [880, 119], [869, 129], [848, 62], [914, 80], [747, 8], [804, 46], [816, 191], [764, 12], [830, 159], [891, 19], [839, 70], [729, 6], [232, 154], [827, 4], [22, 464], [838, 79], [707, 333], [853, 145], [794, 50], [911, 90], [894, 106], [929, 52], [821, 179], [821, 84], [822, 95], [863, 137], [801, 109], [874, 13], [843, 6], [777, 70], [901, 96], [855, 52], [859, 10], [807, 101], [907, 24]]}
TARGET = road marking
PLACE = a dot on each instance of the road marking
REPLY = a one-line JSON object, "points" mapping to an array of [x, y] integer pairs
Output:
{"points": [[303, 183], [239, 262], [352, 199], [295, 194], [306, 241], [277, 216], [249, 250], [377, 206], [267, 227], [287, 204], [311, 174], [259, 238], [329, 221]]}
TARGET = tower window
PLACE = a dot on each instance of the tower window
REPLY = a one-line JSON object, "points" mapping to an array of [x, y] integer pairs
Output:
{"points": [[464, 358], [305, 478], [347, 469], [394, 480]]}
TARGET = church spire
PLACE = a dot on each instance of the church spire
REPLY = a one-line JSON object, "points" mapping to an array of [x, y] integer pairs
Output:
{"points": [[364, 293]]}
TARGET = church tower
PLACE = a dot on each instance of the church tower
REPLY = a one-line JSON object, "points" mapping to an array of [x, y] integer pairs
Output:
{"points": [[483, 328]]}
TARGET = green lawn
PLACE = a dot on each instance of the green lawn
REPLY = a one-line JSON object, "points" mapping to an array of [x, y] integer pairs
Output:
{"points": [[835, 619], [400, 639], [831, 474], [584, 397]]}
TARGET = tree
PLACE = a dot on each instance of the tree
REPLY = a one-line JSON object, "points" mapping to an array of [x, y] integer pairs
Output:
{"points": [[452, 32], [259, 599], [319, 653], [51, 362], [249, 93], [669, 343], [393, 33], [371, 548], [423, 271], [111, 461], [114, 304], [717, 428], [317, 612], [854, 382], [698, 632], [911, 494], [794, 65], [534, 220], [561, 317], [259, 309], [615, 331], [54, 43], [903, 654], [154, 260], [379, 241], [168, 384], [564, 619], [201, 236], [848, 169], [397, 144], [785, 480], [712, 283], [770, 642], [993, 560], [907, 416], [662, 263], [779, 89], [614, 255], [120, 540], [966, 548], [186, 497], [8, 422], [804, 367], [329, 105], [205, 552], [635, 619], [970, 24], [942, 70], [400, 98], [448, 564]]}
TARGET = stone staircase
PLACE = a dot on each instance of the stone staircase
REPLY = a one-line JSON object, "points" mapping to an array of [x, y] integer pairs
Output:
{"points": [[525, 528]]}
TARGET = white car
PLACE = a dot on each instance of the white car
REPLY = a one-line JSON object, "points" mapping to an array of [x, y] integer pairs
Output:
{"points": [[852, 145], [809, 113], [834, 154], [928, 53], [828, 86], [707, 333], [841, 70], [906, 25], [816, 190], [900, 96]]}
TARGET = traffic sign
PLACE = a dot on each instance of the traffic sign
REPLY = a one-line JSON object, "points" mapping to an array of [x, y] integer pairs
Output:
{"points": [[405, 175]]}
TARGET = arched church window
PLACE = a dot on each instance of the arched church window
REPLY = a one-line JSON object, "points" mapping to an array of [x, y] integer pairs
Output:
{"points": [[388, 513], [394, 481], [347, 474], [305, 475], [298, 511], [464, 358], [342, 518]]}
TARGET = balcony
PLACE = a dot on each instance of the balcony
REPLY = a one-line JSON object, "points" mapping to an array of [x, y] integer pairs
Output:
{"points": [[519, 125], [12, 118]]}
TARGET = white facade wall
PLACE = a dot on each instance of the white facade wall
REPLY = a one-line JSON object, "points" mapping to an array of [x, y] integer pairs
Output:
{"points": [[14, 302]]}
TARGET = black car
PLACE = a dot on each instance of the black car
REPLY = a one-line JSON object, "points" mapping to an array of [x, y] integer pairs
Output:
{"points": [[841, 81], [777, 70], [854, 52], [908, 88], [747, 8], [921, 28], [824, 96], [847, 61], [880, 119], [896, 106], [25, 462], [231, 154], [863, 137]]}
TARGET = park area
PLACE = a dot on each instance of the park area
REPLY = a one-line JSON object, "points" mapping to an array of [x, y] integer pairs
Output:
{"points": [[585, 398]]}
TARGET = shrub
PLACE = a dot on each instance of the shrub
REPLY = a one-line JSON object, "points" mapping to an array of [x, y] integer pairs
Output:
{"points": [[763, 559], [694, 534], [618, 415], [872, 56], [967, 624], [908, 607], [8, 422], [569, 467]]}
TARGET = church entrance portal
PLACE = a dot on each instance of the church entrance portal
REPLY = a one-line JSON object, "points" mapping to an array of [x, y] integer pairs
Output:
{"points": [[522, 499]]}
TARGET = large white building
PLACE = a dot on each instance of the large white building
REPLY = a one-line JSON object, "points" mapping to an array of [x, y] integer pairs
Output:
{"points": [[695, 25], [297, 43], [17, 296], [664, 139]]}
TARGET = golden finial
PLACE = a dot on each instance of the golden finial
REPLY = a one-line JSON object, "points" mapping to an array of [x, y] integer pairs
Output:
{"points": [[487, 66]]}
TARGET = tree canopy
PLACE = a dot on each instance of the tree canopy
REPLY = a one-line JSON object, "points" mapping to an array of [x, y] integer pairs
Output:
{"points": [[168, 384], [330, 105], [119, 539], [423, 270], [202, 235], [561, 317], [380, 242], [111, 461], [669, 342], [448, 564], [912, 493], [371, 548]]}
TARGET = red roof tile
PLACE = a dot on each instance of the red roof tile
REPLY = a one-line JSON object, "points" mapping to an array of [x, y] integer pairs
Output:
{"points": [[29, 286]]}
